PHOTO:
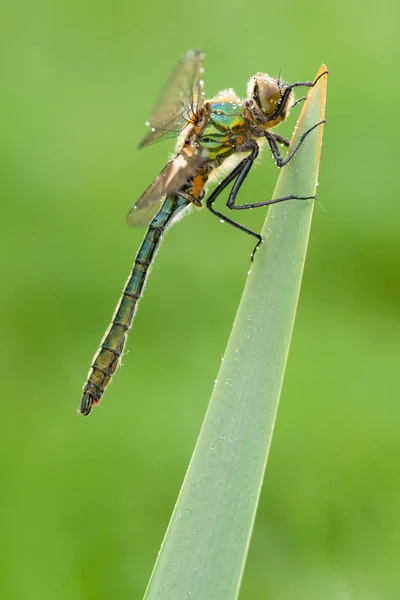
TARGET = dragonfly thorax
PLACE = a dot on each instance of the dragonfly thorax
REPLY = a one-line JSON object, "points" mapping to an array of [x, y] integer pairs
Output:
{"points": [[225, 130]]}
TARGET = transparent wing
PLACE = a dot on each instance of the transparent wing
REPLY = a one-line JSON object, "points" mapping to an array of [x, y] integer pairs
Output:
{"points": [[179, 100], [150, 202], [171, 179]]}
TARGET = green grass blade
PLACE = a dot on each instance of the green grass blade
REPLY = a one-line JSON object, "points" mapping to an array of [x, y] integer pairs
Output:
{"points": [[205, 547]]}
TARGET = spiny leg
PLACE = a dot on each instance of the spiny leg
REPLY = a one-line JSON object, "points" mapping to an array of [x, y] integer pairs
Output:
{"points": [[240, 173], [272, 139], [281, 140], [241, 176], [298, 101], [245, 164], [286, 94]]}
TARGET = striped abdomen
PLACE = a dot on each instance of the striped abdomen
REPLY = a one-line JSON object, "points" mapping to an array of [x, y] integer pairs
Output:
{"points": [[109, 354]]}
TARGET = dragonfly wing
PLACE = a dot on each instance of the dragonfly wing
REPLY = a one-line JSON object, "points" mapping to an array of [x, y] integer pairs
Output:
{"points": [[182, 169], [171, 179], [150, 202], [179, 100]]}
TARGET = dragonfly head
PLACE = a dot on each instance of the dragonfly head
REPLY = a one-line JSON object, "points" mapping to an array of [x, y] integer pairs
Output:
{"points": [[267, 93]]}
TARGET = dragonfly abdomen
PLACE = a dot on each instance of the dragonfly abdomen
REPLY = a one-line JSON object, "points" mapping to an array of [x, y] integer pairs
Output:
{"points": [[109, 355]]}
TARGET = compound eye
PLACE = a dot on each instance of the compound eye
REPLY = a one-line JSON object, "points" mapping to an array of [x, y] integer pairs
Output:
{"points": [[266, 93]]}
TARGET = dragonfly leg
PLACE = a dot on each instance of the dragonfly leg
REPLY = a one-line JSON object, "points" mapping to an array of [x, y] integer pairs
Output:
{"points": [[286, 94], [298, 101], [281, 140], [272, 141], [246, 165], [240, 173]]}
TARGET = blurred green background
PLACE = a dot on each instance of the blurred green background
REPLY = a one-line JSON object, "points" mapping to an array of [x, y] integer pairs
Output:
{"points": [[84, 503]]}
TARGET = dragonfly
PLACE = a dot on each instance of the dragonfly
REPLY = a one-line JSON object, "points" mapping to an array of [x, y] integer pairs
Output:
{"points": [[218, 141]]}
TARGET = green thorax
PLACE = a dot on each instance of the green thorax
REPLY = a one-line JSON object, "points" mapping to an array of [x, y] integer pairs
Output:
{"points": [[225, 130]]}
